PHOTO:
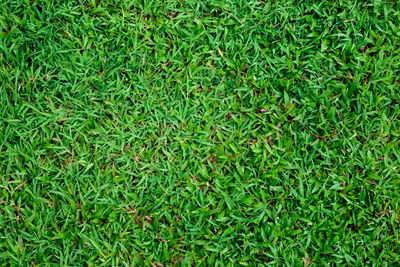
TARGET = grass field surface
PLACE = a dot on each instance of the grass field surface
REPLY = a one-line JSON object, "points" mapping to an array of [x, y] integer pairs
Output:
{"points": [[225, 133]]}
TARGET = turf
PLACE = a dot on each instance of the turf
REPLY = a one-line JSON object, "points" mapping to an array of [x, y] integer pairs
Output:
{"points": [[235, 132]]}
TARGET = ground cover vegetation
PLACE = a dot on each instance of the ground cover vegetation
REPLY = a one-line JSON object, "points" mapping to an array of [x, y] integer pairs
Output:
{"points": [[199, 132]]}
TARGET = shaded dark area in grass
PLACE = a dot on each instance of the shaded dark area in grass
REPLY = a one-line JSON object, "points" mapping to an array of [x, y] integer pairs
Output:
{"points": [[199, 132]]}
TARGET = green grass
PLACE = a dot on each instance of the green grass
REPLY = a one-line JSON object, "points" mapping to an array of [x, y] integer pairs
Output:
{"points": [[199, 132]]}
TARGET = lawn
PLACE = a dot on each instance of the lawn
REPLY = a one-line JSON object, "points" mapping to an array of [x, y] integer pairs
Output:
{"points": [[235, 132]]}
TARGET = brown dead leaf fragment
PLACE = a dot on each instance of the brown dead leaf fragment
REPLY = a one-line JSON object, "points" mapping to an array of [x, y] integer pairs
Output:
{"points": [[147, 219], [349, 20], [212, 159], [307, 261], [18, 187], [55, 139], [21, 185], [220, 52], [17, 212], [305, 78], [69, 161]]}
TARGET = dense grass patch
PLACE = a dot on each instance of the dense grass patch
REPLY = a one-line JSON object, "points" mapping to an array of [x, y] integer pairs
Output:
{"points": [[199, 132]]}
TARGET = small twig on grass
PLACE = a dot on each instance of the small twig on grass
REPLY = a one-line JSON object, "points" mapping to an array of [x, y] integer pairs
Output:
{"points": [[227, 12]]}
